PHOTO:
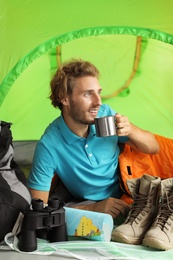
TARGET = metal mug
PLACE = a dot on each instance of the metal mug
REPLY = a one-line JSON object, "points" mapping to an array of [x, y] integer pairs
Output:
{"points": [[105, 126]]}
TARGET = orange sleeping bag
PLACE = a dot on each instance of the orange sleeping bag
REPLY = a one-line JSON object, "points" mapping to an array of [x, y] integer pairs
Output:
{"points": [[134, 164]]}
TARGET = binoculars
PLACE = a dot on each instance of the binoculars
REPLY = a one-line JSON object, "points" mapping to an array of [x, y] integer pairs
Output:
{"points": [[43, 222]]}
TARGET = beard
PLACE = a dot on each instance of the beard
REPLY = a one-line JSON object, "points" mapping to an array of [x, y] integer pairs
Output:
{"points": [[78, 115]]}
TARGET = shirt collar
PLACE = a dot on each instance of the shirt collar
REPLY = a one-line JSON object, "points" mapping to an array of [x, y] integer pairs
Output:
{"points": [[68, 135], [92, 130]]}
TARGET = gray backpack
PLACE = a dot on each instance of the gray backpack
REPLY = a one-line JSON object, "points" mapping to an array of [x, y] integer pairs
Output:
{"points": [[14, 195]]}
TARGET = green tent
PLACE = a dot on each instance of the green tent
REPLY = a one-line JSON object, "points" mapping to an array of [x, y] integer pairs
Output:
{"points": [[130, 41]]}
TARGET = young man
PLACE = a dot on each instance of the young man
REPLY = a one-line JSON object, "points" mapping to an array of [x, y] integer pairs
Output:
{"points": [[86, 164]]}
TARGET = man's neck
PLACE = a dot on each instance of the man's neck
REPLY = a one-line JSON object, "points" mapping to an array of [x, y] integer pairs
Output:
{"points": [[77, 128]]}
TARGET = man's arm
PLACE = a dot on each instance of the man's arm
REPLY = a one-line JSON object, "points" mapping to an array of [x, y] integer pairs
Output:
{"points": [[111, 206], [143, 141], [139, 139], [38, 194]]}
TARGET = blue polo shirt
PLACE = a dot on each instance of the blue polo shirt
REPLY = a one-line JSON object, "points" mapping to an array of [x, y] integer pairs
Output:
{"points": [[87, 166]]}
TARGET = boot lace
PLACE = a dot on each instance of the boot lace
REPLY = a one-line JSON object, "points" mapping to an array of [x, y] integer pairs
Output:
{"points": [[165, 211], [142, 204]]}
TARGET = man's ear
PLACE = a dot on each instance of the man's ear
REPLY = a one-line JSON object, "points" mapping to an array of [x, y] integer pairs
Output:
{"points": [[64, 101]]}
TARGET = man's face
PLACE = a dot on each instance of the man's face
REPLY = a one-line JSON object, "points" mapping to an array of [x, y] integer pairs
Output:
{"points": [[85, 101]]}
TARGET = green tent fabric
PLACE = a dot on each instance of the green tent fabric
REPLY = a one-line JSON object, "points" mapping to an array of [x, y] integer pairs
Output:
{"points": [[130, 41]]}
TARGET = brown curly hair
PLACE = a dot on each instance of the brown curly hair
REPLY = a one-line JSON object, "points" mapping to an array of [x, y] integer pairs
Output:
{"points": [[64, 79]]}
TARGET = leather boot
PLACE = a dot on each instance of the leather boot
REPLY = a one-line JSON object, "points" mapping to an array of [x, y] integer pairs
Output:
{"points": [[145, 193], [160, 235]]}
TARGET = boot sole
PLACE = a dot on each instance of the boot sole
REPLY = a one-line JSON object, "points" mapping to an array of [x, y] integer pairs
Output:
{"points": [[154, 243], [116, 237]]}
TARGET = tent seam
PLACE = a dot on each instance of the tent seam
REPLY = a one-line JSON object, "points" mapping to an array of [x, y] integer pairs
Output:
{"points": [[43, 48]]}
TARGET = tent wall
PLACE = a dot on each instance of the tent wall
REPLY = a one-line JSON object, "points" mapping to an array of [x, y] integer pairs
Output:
{"points": [[103, 32]]}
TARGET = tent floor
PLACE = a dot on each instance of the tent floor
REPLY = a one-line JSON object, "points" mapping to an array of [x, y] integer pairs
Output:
{"points": [[12, 255]]}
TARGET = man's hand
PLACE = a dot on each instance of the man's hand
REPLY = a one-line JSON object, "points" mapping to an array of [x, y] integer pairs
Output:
{"points": [[111, 206], [123, 125]]}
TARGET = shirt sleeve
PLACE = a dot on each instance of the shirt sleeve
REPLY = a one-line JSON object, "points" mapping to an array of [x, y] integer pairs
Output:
{"points": [[42, 169]]}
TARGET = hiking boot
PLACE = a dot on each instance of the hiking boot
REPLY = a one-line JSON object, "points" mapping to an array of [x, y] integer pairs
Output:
{"points": [[160, 235], [145, 193]]}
